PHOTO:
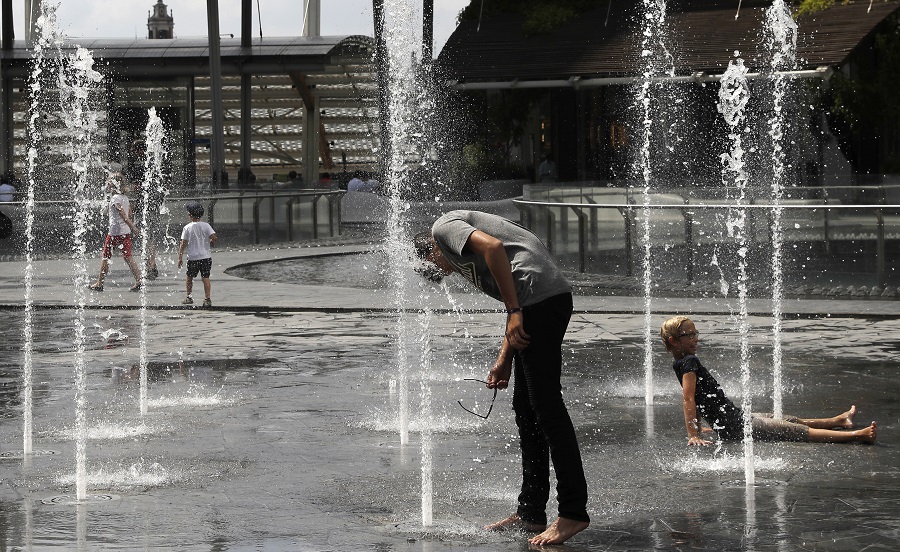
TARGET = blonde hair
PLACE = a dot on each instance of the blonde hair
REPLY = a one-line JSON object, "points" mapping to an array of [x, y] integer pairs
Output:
{"points": [[118, 183], [671, 327]]}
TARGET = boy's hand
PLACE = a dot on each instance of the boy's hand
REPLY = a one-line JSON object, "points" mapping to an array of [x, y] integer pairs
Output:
{"points": [[515, 331], [179, 262], [498, 377], [698, 442]]}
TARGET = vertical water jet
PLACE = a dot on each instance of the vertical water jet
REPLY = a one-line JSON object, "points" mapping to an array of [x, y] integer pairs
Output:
{"points": [[734, 94], [152, 188], [426, 414], [652, 44], [781, 33], [78, 80]]}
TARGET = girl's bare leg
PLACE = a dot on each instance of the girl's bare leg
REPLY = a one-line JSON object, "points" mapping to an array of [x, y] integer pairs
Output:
{"points": [[866, 435], [135, 271], [104, 268], [844, 420]]}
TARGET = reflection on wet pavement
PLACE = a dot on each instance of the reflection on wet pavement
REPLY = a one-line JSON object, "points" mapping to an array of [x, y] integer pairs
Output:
{"points": [[280, 432]]}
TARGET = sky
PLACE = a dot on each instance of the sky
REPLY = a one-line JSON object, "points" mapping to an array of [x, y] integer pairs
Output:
{"points": [[128, 18]]}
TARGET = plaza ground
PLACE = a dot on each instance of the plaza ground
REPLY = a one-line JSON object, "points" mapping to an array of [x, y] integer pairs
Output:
{"points": [[273, 421]]}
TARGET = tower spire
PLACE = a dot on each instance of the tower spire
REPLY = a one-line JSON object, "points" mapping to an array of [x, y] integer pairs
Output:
{"points": [[159, 23]]}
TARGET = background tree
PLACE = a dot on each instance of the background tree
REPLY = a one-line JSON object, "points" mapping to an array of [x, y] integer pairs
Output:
{"points": [[541, 16]]}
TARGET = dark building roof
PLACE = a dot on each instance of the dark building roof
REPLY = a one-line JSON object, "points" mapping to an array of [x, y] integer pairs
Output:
{"points": [[190, 56], [703, 36]]}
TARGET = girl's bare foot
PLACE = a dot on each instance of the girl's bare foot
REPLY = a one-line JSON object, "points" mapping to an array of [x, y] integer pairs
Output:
{"points": [[515, 523], [846, 418], [867, 435], [559, 531]]}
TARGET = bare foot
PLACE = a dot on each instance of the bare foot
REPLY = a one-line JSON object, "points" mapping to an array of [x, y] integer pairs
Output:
{"points": [[867, 435], [559, 531], [515, 523], [846, 419]]}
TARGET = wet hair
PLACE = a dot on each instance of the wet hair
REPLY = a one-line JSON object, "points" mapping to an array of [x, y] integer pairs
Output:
{"points": [[423, 242], [671, 327], [194, 208]]}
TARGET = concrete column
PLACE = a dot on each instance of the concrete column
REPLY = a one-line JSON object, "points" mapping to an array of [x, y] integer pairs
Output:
{"points": [[32, 12], [190, 162], [246, 122], [6, 110], [8, 31], [6, 125], [246, 23], [427, 32], [381, 69], [312, 18], [246, 103], [311, 144], [217, 147]]}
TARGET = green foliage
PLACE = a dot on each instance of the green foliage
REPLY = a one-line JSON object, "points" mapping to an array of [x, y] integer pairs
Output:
{"points": [[541, 16], [807, 7], [473, 156], [545, 18], [867, 102], [504, 118]]}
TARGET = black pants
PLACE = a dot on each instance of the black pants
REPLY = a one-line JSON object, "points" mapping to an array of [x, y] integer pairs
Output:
{"points": [[545, 429]]}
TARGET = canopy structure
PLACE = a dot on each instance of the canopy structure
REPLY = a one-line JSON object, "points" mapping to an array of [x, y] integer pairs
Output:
{"points": [[603, 44], [575, 82], [312, 100]]}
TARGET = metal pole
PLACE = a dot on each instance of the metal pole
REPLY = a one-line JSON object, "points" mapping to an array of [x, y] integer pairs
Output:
{"points": [[6, 108], [427, 32], [312, 19], [246, 126], [880, 250], [190, 161], [246, 23], [217, 147], [32, 12], [381, 68], [246, 129], [8, 32]]}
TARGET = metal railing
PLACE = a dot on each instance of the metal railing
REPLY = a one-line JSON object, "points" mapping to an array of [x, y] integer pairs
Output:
{"points": [[586, 213], [247, 209], [286, 199]]}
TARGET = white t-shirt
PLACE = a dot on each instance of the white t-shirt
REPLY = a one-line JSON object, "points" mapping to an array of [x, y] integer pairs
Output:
{"points": [[197, 235], [117, 226]]}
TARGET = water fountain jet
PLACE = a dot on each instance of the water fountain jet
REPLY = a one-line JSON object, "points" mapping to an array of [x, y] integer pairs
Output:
{"points": [[734, 94]]}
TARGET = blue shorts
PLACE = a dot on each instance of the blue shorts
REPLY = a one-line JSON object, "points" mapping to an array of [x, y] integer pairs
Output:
{"points": [[203, 266]]}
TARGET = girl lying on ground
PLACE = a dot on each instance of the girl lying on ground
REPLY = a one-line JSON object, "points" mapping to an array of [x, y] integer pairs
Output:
{"points": [[704, 398]]}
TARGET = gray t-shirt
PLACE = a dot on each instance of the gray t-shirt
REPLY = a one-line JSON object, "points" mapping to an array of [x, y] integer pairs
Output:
{"points": [[534, 272]]}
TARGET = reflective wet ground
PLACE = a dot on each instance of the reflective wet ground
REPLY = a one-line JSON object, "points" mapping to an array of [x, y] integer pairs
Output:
{"points": [[279, 431], [847, 279]]}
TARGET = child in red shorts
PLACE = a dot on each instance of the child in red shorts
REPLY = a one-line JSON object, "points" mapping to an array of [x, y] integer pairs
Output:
{"points": [[121, 229]]}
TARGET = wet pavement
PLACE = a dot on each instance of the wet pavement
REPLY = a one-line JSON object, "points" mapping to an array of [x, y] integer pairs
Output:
{"points": [[273, 421]]}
